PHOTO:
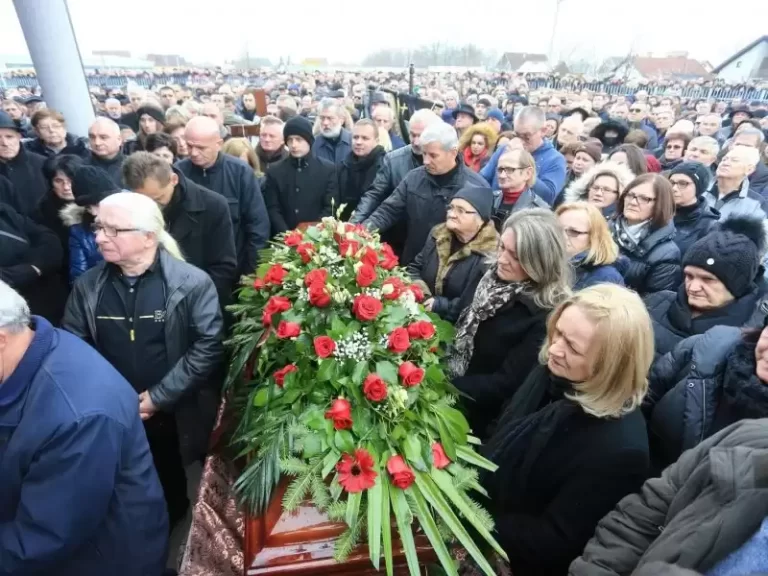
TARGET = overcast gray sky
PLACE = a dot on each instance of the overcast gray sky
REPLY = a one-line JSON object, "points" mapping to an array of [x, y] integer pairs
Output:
{"points": [[217, 30]]}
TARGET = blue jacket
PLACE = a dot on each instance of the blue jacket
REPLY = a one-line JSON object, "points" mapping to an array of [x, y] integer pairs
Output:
{"points": [[586, 275], [324, 149], [397, 142], [550, 171], [79, 494], [83, 252]]}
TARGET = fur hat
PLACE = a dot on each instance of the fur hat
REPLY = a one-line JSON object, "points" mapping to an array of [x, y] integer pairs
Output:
{"points": [[578, 188]]}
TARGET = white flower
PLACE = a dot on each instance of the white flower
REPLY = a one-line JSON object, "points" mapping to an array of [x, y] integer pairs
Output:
{"points": [[340, 229], [387, 289], [357, 266]]}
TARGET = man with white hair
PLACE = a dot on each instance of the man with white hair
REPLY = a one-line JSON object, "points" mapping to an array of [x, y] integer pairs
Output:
{"points": [[79, 495], [113, 109], [334, 143], [157, 320], [750, 137], [106, 148], [422, 197], [731, 192]]}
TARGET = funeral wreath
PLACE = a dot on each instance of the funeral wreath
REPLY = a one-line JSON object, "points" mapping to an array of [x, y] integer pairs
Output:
{"points": [[336, 365]]}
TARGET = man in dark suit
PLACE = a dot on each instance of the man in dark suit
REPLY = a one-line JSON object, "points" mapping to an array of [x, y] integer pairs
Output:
{"points": [[197, 218], [300, 188]]}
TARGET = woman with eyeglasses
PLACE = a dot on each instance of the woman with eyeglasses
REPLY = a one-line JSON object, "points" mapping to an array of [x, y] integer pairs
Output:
{"points": [[454, 257], [600, 186], [694, 217], [498, 335], [672, 153], [644, 231], [589, 245], [89, 187], [516, 173]]}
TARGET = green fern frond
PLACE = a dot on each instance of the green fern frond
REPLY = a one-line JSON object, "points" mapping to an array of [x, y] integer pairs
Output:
{"points": [[445, 533], [321, 497], [463, 477], [294, 466], [298, 430], [349, 539], [337, 511], [297, 491], [446, 400], [479, 512]]}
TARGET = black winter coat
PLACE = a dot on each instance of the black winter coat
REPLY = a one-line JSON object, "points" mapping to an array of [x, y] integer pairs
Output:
{"points": [[24, 244], [422, 202], [49, 216], [551, 491], [356, 174], [113, 167], [506, 348], [702, 509], [299, 190], [267, 161], [8, 194], [26, 174], [451, 279], [75, 145], [653, 264], [198, 219], [394, 168], [693, 223], [235, 180], [673, 320]]}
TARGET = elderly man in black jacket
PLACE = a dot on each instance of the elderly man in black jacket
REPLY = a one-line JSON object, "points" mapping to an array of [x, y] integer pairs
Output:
{"points": [[157, 320], [106, 148], [197, 218], [424, 194], [300, 188], [23, 168], [233, 179], [53, 138]]}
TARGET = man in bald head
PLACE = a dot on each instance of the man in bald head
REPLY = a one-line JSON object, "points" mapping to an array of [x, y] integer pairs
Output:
{"points": [[233, 179], [106, 148]]}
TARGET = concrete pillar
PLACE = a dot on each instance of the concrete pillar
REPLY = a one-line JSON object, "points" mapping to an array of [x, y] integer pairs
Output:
{"points": [[53, 47]]}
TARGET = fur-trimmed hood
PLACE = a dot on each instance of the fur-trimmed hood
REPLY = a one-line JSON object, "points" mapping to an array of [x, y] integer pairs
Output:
{"points": [[482, 128], [578, 188], [72, 214]]}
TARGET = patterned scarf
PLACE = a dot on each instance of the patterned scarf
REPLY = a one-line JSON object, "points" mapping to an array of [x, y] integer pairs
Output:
{"points": [[492, 293]]}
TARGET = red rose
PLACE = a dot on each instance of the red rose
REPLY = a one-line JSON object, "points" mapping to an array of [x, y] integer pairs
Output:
{"points": [[390, 258], [398, 340], [439, 459], [374, 388], [275, 274], [288, 329], [356, 473], [324, 346], [340, 413], [258, 284], [397, 288], [318, 295], [277, 304], [370, 257], [402, 476], [349, 227], [280, 375], [410, 374], [366, 275], [366, 308], [306, 250], [348, 248], [293, 238], [317, 276], [421, 330], [266, 319], [417, 292]]}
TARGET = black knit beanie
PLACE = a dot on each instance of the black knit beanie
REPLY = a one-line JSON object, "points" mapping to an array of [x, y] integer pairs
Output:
{"points": [[299, 126], [732, 253], [152, 112], [480, 198], [697, 172], [91, 185]]}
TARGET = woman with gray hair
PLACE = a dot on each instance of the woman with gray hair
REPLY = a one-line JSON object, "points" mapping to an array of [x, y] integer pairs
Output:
{"points": [[499, 334]]}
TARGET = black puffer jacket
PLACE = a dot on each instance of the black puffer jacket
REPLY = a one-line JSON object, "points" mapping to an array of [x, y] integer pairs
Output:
{"points": [[74, 145], [194, 344], [451, 279], [394, 167], [703, 508], [673, 320], [25, 172], [421, 201], [693, 223], [653, 264]]}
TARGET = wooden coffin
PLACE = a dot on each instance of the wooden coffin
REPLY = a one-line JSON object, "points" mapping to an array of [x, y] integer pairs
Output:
{"points": [[302, 542]]}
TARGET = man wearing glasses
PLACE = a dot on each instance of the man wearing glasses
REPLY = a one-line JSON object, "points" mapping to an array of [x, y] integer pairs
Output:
{"points": [[638, 120], [530, 127]]}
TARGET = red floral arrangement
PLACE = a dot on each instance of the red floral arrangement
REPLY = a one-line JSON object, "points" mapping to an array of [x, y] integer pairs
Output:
{"points": [[338, 366]]}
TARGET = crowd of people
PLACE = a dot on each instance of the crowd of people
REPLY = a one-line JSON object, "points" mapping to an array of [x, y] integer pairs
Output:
{"points": [[601, 258]]}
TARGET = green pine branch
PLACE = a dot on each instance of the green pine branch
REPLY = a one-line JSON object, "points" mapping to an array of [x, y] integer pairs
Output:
{"points": [[294, 466], [337, 511], [321, 496], [349, 539], [297, 491]]}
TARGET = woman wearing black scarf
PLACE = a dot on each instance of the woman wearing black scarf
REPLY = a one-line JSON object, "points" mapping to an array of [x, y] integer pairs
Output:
{"points": [[572, 441], [359, 168]]}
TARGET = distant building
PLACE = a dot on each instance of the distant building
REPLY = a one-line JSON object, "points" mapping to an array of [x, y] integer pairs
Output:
{"points": [[749, 63], [103, 61], [675, 66], [523, 62], [166, 60]]}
